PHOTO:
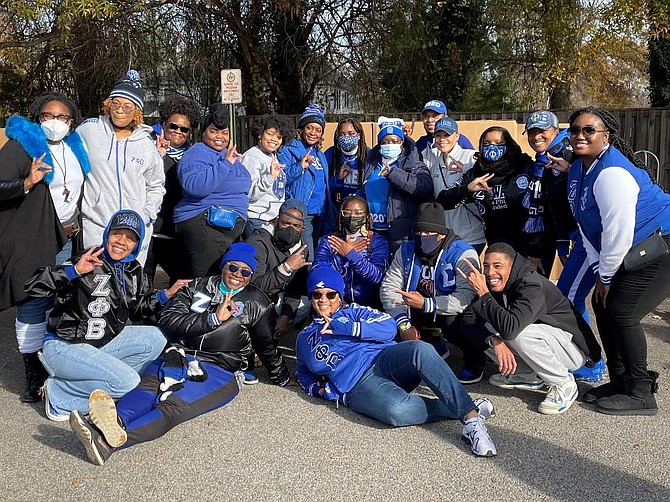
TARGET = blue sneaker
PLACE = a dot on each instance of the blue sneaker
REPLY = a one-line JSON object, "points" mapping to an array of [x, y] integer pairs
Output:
{"points": [[471, 375], [594, 373], [250, 377], [442, 349]]}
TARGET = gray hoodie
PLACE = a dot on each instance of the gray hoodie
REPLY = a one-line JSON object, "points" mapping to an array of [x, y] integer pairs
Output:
{"points": [[124, 174]]}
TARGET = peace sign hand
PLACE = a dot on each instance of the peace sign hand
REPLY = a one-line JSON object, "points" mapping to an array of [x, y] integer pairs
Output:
{"points": [[480, 183], [275, 166], [162, 143], [307, 159], [345, 170], [475, 278], [88, 261], [231, 155], [38, 169], [227, 308]]}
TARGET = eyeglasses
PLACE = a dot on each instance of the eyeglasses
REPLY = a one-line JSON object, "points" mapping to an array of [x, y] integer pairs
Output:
{"points": [[586, 130], [358, 212], [50, 116], [245, 272], [126, 107], [174, 127], [331, 295]]}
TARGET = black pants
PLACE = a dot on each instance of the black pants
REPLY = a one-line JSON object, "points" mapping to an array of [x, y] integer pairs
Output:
{"points": [[171, 255], [206, 244], [632, 296]]}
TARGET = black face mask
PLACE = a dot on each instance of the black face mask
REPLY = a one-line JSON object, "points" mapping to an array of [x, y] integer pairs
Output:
{"points": [[427, 246], [286, 237], [352, 224]]}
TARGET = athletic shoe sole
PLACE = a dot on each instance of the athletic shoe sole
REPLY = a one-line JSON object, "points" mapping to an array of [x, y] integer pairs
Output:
{"points": [[466, 381], [102, 411], [607, 411], [517, 385], [83, 433], [488, 453]]}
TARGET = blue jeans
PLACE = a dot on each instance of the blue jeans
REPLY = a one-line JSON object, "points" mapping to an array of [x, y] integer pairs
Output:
{"points": [[311, 233], [384, 392], [77, 369]]}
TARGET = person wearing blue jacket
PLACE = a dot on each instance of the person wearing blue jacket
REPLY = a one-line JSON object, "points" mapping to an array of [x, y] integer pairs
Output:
{"points": [[395, 183], [624, 219], [213, 212], [358, 253], [307, 172], [347, 354]]}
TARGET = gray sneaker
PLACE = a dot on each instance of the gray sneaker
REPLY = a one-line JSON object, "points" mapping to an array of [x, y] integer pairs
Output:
{"points": [[477, 436], [559, 398], [528, 381], [97, 449]]}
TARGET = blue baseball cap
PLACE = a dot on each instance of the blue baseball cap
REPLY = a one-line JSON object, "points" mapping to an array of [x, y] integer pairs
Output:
{"points": [[542, 119], [435, 105], [446, 124]]}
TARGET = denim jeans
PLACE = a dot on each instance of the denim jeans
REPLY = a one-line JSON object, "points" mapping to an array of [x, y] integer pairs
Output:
{"points": [[31, 315], [77, 369], [311, 233], [384, 392]]}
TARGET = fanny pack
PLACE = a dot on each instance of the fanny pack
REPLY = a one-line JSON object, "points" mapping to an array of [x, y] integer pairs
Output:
{"points": [[646, 252], [220, 217]]}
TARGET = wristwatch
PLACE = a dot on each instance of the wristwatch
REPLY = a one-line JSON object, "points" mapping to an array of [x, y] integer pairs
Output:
{"points": [[489, 340]]}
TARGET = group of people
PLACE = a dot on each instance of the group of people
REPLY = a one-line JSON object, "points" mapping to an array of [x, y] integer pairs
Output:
{"points": [[384, 241]]}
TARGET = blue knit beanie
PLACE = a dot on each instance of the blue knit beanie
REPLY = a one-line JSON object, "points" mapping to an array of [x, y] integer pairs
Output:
{"points": [[129, 87], [240, 251], [325, 276], [312, 114], [389, 126]]}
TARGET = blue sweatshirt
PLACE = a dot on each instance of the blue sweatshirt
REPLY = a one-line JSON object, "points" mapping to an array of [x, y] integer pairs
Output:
{"points": [[208, 179], [359, 335]]}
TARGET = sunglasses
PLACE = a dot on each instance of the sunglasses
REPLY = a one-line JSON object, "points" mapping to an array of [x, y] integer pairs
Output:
{"points": [[331, 295], [586, 130], [174, 127], [245, 272]]}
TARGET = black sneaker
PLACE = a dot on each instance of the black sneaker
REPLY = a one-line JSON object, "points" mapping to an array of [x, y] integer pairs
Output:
{"points": [[97, 449]]}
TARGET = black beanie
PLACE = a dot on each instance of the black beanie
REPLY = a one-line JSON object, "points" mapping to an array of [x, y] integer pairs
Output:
{"points": [[217, 114], [430, 218]]}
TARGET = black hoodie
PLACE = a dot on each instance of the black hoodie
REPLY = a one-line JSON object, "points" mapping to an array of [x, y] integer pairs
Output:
{"points": [[529, 298]]}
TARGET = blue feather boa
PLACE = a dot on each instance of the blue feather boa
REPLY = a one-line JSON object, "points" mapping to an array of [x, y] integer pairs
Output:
{"points": [[30, 136]]}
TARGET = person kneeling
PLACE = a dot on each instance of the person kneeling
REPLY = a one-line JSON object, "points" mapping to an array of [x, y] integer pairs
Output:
{"points": [[89, 343], [213, 324], [534, 332], [347, 354]]}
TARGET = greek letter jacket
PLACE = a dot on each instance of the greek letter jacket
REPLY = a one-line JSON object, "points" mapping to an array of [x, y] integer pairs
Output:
{"points": [[190, 319]]}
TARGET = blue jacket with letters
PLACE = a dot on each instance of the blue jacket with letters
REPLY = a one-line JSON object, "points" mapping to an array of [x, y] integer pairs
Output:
{"points": [[335, 362], [308, 185]]}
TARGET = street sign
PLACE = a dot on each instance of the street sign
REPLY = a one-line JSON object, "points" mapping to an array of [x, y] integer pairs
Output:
{"points": [[231, 86]]}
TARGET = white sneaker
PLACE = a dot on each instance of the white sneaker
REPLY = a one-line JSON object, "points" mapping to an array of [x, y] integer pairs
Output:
{"points": [[49, 410], [486, 408], [477, 436], [559, 398], [528, 381]]}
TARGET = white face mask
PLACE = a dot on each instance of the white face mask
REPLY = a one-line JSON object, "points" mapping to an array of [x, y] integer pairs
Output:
{"points": [[54, 129]]}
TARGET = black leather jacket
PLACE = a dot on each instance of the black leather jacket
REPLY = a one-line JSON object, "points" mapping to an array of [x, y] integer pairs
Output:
{"points": [[190, 319], [95, 307]]}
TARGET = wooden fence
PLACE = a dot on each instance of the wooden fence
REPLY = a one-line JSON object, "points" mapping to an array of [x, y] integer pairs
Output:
{"points": [[643, 128]]}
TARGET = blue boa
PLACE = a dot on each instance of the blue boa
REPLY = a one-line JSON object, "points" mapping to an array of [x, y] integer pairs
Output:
{"points": [[30, 136]]}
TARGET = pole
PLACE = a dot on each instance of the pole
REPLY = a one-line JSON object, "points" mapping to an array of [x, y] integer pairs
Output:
{"points": [[233, 124]]}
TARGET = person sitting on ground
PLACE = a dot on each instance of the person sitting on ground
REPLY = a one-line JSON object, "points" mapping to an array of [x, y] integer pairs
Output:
{"points": [[448, 162], [395, 183], [89, 343], [433, 111], [213, 324], [422, 291], [534, 333], [358, 253], [268, 179], [347, 354], [282, 262]]}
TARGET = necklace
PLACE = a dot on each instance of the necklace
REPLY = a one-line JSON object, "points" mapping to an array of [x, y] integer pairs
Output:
{"points": [[63, 169]]}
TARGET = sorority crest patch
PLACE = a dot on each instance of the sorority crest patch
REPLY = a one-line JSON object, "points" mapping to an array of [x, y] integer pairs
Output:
{"points": [[522, 182], [240, 309]]}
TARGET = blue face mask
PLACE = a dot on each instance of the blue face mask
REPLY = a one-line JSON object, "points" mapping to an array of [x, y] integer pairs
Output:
{"points": [[494, 153], [391, 152], [348, 144]]}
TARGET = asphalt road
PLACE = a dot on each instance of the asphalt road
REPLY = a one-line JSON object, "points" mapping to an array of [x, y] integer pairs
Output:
{"points": [[272, 443]]}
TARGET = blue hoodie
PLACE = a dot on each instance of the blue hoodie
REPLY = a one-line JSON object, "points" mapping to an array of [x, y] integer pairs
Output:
{"points": [[308, 185]]}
